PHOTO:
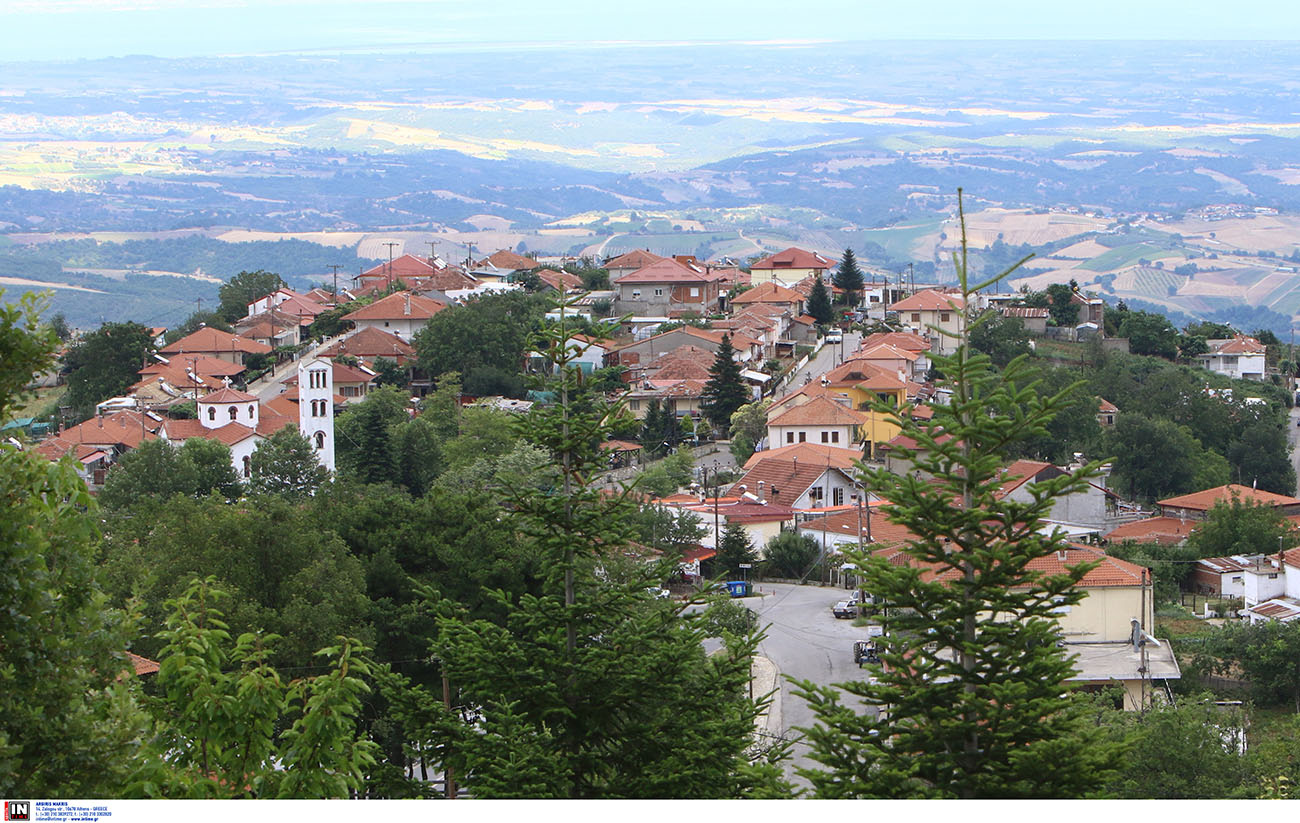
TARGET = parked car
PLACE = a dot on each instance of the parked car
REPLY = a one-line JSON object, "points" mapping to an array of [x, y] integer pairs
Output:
{"points": [[845, 609], [834, 336]]}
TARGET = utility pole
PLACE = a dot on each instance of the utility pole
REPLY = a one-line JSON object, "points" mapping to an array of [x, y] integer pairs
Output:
{"points": [[911, 278], [336, 267], [433, 252], [390, 244]]}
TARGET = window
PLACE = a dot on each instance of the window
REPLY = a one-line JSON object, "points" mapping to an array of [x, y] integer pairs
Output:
{"points": [[815, 493], [659, 292], [835, 437], [636, 293], [803, 437], [837, 497], [250, 412], [695, 291], [212, 413], [234, 412], [634, 405], [248, 468], [916, 317], [320, 440], [944, 317], [826, 438], [789, 437]]}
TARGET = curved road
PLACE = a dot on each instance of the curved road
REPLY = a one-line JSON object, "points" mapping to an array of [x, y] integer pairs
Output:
{"points": [[805, 642]]}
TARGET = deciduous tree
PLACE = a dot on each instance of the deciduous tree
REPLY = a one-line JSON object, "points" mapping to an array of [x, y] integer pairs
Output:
{"points": [[244, 288], [105, 363]]}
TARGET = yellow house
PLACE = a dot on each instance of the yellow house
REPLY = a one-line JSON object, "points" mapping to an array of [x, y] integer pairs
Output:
{"points": [[1106, 633], [864, 384]]}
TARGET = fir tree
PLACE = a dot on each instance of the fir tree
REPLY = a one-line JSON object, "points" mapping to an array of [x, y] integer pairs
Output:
{"points": [[819, 303], [591, 686], [973, 687], [848, 277], [735, 549], [725, 391]]}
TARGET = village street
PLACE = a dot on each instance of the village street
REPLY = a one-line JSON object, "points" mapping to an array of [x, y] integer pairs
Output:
{"points": [[804, 641]]}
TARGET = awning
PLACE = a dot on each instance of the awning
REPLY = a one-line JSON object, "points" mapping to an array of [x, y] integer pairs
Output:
{"points": [[756, 376]]}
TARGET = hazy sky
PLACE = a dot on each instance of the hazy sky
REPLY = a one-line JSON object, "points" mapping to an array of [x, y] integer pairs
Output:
{"points": [[70, 29]]}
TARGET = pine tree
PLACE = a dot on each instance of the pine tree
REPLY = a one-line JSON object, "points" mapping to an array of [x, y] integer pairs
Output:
{"points": [[735, 549], [592, 687], [973, 687], [848, 277], [819, 304], [725, 391]]}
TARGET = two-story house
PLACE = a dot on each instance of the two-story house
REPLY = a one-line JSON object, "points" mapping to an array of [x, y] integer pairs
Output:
{"points": [[666, 289], [928, 310], [789, 267], [1241, 357]]}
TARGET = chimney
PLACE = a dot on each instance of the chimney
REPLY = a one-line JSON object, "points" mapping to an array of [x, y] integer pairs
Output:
{"points": [[408, 303]]}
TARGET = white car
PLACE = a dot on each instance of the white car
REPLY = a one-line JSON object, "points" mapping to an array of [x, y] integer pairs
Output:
{"points": [[835, 336]]}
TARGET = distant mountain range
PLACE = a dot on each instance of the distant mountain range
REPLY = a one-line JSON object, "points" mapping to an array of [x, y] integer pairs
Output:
{"points": [[720, 150]]}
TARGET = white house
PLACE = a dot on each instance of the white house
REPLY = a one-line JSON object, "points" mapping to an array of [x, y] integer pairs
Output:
{"points": [[820, 420], [1241, 357], [927, 310]]}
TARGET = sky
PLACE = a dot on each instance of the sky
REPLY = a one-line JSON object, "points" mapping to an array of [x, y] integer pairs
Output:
{"points": [[78, 29]]}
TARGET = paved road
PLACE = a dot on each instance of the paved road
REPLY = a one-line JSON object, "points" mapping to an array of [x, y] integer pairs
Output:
{"points": [[830, 356], [806, 642]]}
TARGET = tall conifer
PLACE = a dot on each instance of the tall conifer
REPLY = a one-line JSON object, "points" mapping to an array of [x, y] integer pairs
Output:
{"points": [[725, 391], [819, 303], [848, 277], [972, 699]]}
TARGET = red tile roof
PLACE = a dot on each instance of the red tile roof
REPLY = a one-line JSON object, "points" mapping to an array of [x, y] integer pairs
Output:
{"points": [[561, 281], [408, 265], [1205, 500], [506, 259], [810, 453], [1104, 406], [665, 271], [210, 340], [401, 305], [369, 343], [125, 428], [635, 259], [769, 292], [1025, 471], [142, 665], [1241, 345], [784, 481], [903, 340], [929, 300], [1167, 530], [819, 411], [793, 258], [228, 396]]}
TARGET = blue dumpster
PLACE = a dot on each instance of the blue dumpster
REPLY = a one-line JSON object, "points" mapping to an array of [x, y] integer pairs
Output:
{"points": [[738, 588]]}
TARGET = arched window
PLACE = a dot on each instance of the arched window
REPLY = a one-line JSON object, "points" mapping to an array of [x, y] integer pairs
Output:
{"points": [[251, 415], [234, 412], [212, 413], [248, 467], [320, 440]]}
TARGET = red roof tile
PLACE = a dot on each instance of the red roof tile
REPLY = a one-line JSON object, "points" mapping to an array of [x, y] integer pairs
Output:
{"points": [[401, 305], [929, 300], [209, 340], [793, 258], [635, 259], [769, 292], [665, 271], [819, 411], [1205, 500], [1168, 530]]}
